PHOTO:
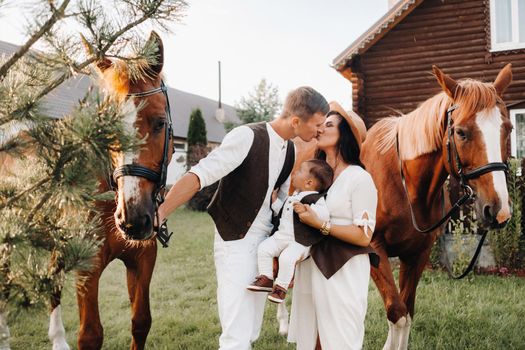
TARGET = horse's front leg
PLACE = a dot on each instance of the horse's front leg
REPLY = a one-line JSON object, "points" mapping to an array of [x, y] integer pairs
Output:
{"points": [[396, 310], [139, 271], [91, 333], [282, 317], [56, 332], [410, 272]]}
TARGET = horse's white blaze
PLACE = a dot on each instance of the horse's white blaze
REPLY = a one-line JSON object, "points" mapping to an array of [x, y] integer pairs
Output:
{"points": [[398, 334], [130, 184], [489, 122], [57, 333]]}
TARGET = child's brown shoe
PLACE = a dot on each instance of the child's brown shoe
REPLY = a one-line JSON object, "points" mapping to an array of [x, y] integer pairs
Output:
{"points": [[261, 284], [278, 294]]}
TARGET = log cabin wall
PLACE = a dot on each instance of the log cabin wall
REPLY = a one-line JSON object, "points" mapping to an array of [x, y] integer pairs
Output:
{"points": [[395, 74]]}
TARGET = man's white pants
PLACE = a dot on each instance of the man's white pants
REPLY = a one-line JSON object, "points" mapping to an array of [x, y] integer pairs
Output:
{"points": [[289, 253], [240, 310]]}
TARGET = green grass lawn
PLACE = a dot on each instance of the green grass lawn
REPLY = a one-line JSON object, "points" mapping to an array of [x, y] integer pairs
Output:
{"points": [[483, 312]]}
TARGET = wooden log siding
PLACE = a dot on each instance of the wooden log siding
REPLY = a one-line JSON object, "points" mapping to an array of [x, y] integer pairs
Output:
{"points": [[395, 74]]}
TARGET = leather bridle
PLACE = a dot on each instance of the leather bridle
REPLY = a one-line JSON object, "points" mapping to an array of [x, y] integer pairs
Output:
{"points": [[456, 170], [158, 178]]}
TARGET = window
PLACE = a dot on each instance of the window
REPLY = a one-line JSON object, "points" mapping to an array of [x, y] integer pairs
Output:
{"points": [[507, 24], [517, 138], [180, 146]]}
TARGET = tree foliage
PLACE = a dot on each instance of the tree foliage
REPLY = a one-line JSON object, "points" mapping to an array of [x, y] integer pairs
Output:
{"points": [[197, 139], [48, 222], [508, 244], [262, 104], [197, 129]]}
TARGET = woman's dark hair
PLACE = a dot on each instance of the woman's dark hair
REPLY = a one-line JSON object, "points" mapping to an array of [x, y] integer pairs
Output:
{"points": [[347, 145]]}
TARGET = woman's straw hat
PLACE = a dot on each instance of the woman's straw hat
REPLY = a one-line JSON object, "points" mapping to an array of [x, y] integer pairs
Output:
{"points": [[356, 122]]}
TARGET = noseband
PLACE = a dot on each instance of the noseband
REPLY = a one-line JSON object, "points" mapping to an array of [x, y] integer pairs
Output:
{"points": [[458, 172], [158, 178]]}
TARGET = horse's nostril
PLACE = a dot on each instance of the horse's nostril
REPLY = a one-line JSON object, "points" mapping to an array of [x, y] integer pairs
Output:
{"points": [[122, 226], [487, 212], [147, 222]]}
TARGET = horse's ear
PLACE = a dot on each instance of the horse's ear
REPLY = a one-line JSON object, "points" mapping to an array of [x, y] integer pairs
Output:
{"points": [[449, 85], [102, 64], [503, 79], [156, 42]]}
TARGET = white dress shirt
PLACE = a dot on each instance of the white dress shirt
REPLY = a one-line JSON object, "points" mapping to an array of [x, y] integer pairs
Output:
{"points": [[231, 153]]}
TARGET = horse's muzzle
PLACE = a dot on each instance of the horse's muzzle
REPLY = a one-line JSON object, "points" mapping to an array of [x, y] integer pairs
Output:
{"points": [[137, 227], [492, 220]]}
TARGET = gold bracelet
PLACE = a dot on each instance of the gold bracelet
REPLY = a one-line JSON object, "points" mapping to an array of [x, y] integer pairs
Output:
{"points": [[325, 228]]}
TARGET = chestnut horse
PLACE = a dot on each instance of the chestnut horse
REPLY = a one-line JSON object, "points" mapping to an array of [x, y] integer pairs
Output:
{"points": [[463, 131], [128, 222]]}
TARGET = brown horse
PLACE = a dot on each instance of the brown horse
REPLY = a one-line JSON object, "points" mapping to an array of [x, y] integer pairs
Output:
{"points": [[128, 222], [430, 143]]}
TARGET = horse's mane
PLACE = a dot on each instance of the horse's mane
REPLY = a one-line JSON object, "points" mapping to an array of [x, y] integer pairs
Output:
{"points": [[422, 130], [117, 79]]}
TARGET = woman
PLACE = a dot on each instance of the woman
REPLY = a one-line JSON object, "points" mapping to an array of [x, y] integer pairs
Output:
{"points": [[331, 290]]}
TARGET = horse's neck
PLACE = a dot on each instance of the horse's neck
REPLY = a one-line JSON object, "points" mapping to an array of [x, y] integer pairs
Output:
{"points": [[425, 177]]}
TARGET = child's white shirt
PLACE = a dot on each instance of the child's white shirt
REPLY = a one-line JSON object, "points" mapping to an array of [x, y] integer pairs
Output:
{"points": [[285, 230]]}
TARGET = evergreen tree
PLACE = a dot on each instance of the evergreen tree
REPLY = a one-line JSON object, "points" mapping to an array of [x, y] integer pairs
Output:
{"points": [[197, 129], [197, 140], [261, 105], [48, 223], [198, 149]]}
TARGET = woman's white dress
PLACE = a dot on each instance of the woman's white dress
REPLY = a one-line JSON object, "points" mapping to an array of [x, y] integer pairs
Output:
{"points": [[335, 308]]}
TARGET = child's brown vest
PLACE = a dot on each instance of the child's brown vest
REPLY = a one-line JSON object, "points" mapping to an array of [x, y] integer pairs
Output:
{"points": [[304, 234]]}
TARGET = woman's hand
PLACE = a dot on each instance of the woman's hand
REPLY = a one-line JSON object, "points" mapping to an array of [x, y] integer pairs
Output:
{"points": [[307, 215]]}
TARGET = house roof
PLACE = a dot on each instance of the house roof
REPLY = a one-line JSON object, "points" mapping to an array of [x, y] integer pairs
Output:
{"points": [[378, 30], [64, 98]]}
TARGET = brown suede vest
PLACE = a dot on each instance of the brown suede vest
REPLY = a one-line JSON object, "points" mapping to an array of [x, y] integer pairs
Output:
{"points": [[330, 254], [241, 193], [304, 234]]}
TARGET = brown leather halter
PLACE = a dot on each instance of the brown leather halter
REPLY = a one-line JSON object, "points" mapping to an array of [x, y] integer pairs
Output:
{"points": [[456, 170], [158, 178]]}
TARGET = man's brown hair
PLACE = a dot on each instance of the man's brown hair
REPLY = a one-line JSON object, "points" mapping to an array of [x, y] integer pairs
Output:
{"points": [[304, 102]]}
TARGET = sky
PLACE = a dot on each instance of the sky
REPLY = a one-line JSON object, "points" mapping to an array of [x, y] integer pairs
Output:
{"points": [[290, 43]]}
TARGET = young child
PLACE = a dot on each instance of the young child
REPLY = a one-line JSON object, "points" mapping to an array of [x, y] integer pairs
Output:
{"points": [[292, 240]]}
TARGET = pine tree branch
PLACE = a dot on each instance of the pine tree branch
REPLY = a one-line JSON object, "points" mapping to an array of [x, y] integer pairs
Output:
{"points": [[79, 67], [21, 194], [55, 17], [55, 178], [40, 204], [125, 29]]}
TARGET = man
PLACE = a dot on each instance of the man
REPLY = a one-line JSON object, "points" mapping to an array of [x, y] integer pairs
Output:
{"points": [[250, 162]]}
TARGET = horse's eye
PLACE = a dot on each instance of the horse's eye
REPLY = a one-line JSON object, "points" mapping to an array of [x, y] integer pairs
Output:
{"points": [[461, 134], [159, 125]]}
